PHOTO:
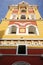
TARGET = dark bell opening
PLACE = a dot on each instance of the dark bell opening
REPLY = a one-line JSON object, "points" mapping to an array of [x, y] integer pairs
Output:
{"points": [[31, 32], [23, 17], [21, 49], [13, 32]]}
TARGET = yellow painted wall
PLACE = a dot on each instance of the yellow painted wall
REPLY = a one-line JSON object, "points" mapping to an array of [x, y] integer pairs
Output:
{"points": [[5, 23], [38, 16]]}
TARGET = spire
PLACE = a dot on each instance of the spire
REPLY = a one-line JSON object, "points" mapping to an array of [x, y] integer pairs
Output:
{"points": [[23, 2]]}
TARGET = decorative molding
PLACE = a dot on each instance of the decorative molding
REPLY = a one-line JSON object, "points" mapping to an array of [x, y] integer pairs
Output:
{"points": [[37, 32], [22, 20], [8, 29], [21, 39], [28, 43]]}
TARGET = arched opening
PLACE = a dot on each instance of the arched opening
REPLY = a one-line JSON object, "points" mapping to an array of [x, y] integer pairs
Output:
{"points": [[13, 29], [13, 16], [20, 63], [23, 10], [31, 30], [23, 17], [32, 16]]}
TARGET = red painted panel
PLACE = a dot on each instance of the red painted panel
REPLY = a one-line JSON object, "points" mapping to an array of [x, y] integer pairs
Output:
{"points": [[13, 51], [33, 60], [35, 51], [31, 10], [15, 11], [8, 51], [9, 60]]}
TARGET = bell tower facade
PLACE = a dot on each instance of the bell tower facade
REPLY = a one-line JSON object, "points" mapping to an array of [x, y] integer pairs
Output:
{"points": [[21, 32]]}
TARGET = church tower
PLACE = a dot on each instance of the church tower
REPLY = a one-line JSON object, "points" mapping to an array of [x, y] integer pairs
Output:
{"points": [[21, 34]]}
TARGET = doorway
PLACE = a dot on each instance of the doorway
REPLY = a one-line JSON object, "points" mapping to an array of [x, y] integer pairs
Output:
{"points": [[21, 49]]}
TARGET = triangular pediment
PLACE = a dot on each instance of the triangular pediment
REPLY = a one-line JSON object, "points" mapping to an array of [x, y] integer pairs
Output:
{"points": [[23, 2]]}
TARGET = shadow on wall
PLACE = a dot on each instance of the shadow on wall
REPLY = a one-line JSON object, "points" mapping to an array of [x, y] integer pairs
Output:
{"points": [[2, 33]]}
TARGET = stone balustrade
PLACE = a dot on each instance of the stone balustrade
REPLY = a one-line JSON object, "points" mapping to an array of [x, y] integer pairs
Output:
{"points": [[29, 43]]}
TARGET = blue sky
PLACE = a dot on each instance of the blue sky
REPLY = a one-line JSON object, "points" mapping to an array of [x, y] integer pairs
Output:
{"points": [[4, 6]]}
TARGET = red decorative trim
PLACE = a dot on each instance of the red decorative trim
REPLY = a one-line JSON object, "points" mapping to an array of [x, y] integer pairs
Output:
{"points": [[23, 24], [12, 22], [31, 11], [33, 23], [15, 11]]}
